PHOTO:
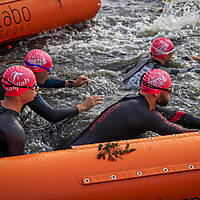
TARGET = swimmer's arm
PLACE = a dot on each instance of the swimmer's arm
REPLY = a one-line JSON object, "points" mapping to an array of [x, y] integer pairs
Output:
{"points": [[179, 117], [175, 71], [162, 126], [58, 83], [53, 83], [42, 108]]}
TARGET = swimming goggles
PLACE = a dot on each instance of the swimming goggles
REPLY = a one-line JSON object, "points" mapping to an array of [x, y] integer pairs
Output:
{"points": [[34, 65], [34, 87], [161, 52], [169, 89]]}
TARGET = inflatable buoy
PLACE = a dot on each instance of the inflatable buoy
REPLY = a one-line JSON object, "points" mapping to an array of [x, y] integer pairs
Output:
{"points": [[159, 168], [22, 18]]}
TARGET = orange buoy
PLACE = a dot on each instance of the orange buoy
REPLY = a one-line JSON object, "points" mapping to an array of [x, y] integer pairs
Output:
{"points": [[160, 168], [22, 18]]}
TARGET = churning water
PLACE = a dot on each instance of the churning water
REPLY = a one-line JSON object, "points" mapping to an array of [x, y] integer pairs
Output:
{"points": [[120, 33]]}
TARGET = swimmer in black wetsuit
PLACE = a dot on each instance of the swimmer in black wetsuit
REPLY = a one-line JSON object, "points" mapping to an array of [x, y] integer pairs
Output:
{"points": [[133, 115], [40, 63], [162, 51], [20, 86]]}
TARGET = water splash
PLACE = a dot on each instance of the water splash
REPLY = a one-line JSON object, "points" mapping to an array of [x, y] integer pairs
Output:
{"points": [[180, 14], [176, 15]]}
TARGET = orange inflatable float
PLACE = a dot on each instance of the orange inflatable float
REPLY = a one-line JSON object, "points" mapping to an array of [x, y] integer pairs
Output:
{"points": [[159, 168], [22, 18]]}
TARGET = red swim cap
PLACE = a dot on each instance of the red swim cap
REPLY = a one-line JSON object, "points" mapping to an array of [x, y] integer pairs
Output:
{"points": [[17, 76], [38, 60], [155, 79], [161, 47]]}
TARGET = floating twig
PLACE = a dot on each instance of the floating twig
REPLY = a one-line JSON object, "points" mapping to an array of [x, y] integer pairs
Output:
{"points": [[113, 151]]}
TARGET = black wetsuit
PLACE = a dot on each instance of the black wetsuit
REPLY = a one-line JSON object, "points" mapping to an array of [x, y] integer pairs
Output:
{"points": [[42, 108], [145, 64], [127, 119], [179, 117], [133, 79], [12, 136]]}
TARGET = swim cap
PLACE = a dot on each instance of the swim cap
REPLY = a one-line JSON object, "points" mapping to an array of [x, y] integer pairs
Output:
{"points": [[17, 76], [155, 79], [38, 60], [161, 47]]}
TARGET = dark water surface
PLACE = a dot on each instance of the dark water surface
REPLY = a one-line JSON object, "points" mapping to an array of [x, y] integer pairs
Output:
{"points": [[105, 51]]}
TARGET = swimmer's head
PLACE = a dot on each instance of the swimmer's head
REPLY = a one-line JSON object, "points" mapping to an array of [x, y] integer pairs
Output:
{"points": [[17, 80], [38, 61], [161, 48], [156, 81]]}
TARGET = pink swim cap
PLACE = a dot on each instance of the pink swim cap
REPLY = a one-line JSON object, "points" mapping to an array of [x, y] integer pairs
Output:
{"points": [[161, 47], [17, 80], [155, 81], [38, 60]]}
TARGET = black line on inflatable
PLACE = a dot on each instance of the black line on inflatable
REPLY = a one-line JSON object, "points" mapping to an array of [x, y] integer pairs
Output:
{"points": [[59, 1]]}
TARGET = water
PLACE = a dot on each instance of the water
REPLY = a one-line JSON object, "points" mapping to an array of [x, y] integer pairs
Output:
{"points": [[120, 33]]}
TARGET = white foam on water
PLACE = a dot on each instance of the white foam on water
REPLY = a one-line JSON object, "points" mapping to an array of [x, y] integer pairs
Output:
{"points": [[176, 15]]}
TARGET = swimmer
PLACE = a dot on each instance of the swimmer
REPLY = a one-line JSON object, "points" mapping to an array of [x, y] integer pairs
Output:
{"points": [[134, 114], [162, 51], [20, 88], [40, 62]]}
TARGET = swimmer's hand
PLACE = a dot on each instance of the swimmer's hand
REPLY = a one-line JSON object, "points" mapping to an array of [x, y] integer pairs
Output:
{"points": [[196, 58], [81, 80], [90, 102]]}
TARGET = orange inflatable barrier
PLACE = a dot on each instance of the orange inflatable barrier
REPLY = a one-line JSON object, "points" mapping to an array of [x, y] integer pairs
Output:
{"points": [[160, 168], [22, 18]]}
